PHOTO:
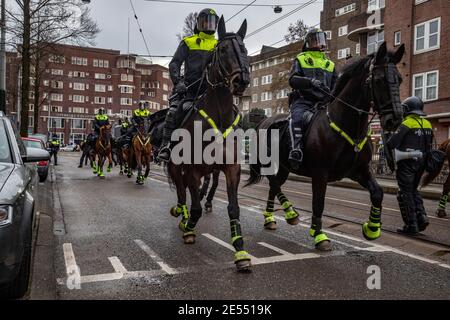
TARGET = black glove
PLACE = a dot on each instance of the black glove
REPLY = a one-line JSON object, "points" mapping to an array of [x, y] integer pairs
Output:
{"points": [[180, 87]]}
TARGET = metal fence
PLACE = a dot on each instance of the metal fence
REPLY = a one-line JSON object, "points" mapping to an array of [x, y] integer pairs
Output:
{"points": [[381, 169]]}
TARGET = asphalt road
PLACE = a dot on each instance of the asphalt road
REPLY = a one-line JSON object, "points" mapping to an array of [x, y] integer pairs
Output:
{"points": [[127, 246]]}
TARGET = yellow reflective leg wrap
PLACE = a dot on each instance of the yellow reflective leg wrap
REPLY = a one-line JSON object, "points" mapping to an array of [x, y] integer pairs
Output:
{"points": [[371, 230], [234, 239], [268, 217], [109, 168], [318, 236], [241, 256], [443, 201], [289, 210]]}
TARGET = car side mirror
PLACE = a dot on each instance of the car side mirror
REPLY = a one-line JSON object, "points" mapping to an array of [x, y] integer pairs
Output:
{"points": [[36, 155]]}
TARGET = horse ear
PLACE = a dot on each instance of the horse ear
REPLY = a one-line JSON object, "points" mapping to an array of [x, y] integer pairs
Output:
{"points": [[381, 53], [398, 55], [243, 29], [221, 30]]}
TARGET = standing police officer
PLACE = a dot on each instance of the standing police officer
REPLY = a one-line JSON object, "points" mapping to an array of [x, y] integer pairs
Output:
{"points": [[54, 147], [195, 52], [415, 133]]}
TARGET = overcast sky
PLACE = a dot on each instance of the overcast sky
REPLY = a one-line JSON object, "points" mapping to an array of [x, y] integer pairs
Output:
{"points": [[161, 22]]}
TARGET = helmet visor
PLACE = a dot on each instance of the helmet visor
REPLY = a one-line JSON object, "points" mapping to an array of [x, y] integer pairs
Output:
{"points": [[207, 23], [317, 40]]}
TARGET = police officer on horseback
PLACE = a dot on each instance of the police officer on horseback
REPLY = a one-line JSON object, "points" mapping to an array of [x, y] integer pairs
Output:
{"points": [[140, 116], [195, 52], [124, 126], [312, 78], [101, 119], [415, 133]]}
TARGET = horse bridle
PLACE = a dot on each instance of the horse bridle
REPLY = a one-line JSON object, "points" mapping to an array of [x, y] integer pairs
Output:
{"points": [[226, 76]]}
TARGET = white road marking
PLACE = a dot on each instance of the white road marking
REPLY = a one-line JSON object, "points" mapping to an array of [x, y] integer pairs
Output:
{"points": [[271, 247], [117, 265], [164, 266], [69, 258]]}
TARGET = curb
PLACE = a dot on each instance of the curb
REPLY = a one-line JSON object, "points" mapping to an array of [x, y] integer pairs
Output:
{"points": [[59, 227], [346, 183]]}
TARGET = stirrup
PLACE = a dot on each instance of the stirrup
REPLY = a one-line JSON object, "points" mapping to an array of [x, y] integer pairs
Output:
{"points": [[164, 153]]}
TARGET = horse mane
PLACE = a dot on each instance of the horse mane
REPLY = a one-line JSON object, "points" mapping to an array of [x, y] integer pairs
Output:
{"points": [[349, 72]]}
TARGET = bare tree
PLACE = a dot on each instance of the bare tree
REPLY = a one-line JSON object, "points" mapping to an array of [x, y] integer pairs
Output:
{"points": [[36, 26], [296, 31], [189, 26]]}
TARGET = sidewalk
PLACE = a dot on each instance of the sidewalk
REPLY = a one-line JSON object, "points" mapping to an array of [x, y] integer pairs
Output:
{"points": [[389, 186]]}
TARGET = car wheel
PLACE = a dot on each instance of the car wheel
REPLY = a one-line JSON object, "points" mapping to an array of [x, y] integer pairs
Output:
{"points": [[19, 286]]}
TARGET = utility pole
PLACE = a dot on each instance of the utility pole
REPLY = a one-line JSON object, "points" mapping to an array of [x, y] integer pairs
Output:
{"points": [[3, 60]]}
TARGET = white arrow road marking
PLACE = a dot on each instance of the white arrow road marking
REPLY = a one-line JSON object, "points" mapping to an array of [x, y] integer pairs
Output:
{"points": [[164, 266]]}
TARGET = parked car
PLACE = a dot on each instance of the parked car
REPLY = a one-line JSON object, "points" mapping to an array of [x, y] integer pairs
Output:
{"points": [[42, 166], [18, 183], [69, 147], [42, 137]]}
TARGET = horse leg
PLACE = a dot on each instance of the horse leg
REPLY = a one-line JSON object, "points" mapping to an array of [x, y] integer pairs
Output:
{"points": [[241, 257], [181, 207], [372, 229], [440, 212], [212, 191], [195, 212], [101, 162], [319, 187], [92, 162], [110, 162], [138, 155], [290, 214], [147, 165]]}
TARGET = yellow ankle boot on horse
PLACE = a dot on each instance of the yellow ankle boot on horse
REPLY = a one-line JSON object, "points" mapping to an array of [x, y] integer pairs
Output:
{"points": [[372, 229]]}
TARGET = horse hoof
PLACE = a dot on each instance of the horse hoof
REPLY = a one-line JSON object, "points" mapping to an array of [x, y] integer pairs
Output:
{"points": [[208, 209], [324, 245], [189, 239], [128, 175], [440, 213], [121, 173], [293, 221], [271, 226], [174, 212], [244, 266]]}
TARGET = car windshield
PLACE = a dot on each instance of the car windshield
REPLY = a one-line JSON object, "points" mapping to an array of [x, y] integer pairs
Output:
{"points": [[5, 152], [32, 144]]}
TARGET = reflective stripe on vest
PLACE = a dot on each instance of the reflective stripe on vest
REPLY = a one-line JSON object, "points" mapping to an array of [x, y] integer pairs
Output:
{"points": [[101, 117], [315, 60], [141, 113], [207, 42]]}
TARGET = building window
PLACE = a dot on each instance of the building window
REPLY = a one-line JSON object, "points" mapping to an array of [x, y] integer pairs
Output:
{"points": [[343, 53], [245, 105], [30, 121], [375, 5], [425, 85], [57, 72], [126, 101], [31, 107], [397, 38], [427, 36], [57, 123], [56, 97], [56, 59], [266, 96], [266, 79], [255, 98], [420, 1], [358, 48], [78, 124], [165, 97], [329, 36], [374, 40], [165, 87], [100, 76], [78, 110], [78, 98], [78, 86], [57, 109], [110, 100], [343, 31], [151, 94], [126, 89], [126, 112], [255, 82], [100, 88], [99, 100], [345, 9], [165, 75]]}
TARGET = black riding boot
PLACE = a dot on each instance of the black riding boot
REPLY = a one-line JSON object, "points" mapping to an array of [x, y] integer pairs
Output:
{"points": [[169, 127], [422, 219], [406, 204], [296, 154]]}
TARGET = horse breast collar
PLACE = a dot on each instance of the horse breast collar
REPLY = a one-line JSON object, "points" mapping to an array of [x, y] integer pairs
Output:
{"points": [[213, 125]]}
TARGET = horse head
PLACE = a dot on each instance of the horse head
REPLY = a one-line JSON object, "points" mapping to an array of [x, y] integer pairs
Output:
{"points": [[230, 59], [105, 133], [384, 86]]}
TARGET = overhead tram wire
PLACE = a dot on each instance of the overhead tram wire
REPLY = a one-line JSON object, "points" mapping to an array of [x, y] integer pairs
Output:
{"points": [[241, 10], [140, 30], [225, 4], [267, 25]]}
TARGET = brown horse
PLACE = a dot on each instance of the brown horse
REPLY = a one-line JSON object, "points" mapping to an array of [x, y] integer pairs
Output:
{"points": [[428, 178], [102, 150], [140, 153], [227, 75]]}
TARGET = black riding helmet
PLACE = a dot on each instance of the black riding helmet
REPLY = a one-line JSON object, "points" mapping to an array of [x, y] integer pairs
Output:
{"points": [[413, 105], [315, 40], [207, 21]]}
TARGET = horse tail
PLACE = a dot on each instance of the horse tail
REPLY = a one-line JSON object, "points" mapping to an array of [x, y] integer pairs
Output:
{"points": [[429, 177], [255, 174]]}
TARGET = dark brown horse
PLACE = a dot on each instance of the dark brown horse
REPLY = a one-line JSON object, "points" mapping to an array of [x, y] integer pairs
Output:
{"points": [[141, 153], [227, 75], [209, 194], [338, 144], [102, 151], [428, 178]]}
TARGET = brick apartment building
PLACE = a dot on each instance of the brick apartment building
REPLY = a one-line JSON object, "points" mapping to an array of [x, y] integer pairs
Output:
{"points": [[269, 88], [77, 81], [422, 25]]}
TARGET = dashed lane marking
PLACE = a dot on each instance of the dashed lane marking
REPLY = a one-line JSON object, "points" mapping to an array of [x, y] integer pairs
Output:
{"points": [[155, 257]]}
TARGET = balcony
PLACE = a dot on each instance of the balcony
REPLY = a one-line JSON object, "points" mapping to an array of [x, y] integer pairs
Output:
{"points": [[364, 23]]}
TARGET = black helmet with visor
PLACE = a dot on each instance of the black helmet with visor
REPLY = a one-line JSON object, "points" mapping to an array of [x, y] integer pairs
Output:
{"points": [[207, 21]]}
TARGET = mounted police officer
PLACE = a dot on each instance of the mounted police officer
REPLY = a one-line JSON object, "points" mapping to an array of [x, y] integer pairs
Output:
{"points": [[312, 76], [101, 119], [140, 116], [415, 133], [195, 52], [124, 126]]}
